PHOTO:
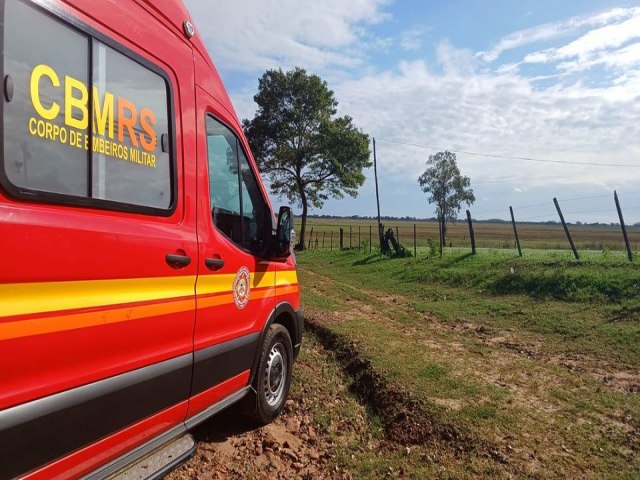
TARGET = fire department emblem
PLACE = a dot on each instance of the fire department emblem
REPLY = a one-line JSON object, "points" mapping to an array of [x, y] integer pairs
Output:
{"points": [[242, 287]]}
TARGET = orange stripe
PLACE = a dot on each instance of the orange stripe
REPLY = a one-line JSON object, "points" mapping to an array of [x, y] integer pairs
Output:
{"points": [[214, 301], [288, 290], [263, 293], [60, 323], [71, 321]]}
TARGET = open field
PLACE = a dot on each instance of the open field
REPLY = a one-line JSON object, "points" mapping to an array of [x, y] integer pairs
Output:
{"points": [[495, 367], [458, 367], [489, 235]]}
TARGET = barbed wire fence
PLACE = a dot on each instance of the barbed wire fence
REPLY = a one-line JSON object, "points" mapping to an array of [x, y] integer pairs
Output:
{"points": [[548, 231]]}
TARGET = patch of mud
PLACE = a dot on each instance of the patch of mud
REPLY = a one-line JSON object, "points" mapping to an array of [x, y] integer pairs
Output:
{"points": [[231, 446], [299, 444], [516, 347], [406, 421], [610, 375]]}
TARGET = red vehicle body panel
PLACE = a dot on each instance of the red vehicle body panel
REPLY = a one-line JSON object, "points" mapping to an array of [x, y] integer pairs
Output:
{"points": [[87, 296]]}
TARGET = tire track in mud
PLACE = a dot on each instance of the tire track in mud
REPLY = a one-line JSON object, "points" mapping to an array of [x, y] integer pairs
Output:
{"points": [[406, 421]]}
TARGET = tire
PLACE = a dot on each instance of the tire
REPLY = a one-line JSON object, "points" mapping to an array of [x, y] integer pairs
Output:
{"points": [[273, 378]]}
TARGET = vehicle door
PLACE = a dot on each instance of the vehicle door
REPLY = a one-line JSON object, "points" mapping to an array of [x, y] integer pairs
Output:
{"points": [[236, 282]]}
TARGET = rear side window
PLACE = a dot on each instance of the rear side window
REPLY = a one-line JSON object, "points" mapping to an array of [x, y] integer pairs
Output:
{"points": [[82, 122]]}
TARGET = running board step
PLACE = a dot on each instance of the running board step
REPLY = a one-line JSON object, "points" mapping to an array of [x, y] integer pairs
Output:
{"points": [[159, 462]]}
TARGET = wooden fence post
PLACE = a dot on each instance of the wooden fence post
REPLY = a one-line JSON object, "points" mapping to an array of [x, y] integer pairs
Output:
{"points": [[566, 230], [415, 244], [310, 237], [471, 234], [341, 238], [515, 230], [624, 228]]}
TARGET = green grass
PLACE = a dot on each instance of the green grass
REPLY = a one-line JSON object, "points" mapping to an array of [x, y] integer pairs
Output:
{"points": [[592, 303], [516, 360]]}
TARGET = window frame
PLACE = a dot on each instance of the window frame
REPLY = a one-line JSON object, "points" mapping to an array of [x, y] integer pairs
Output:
{"points": [[268, 214], [22, 193]]}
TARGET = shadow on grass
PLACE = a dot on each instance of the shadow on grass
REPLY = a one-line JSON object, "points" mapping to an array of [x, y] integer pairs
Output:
{"points": [[459, 258], [368, 260], [559, 285], [625, 314]]}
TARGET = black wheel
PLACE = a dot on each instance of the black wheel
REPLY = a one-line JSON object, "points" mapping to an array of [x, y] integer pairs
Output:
{"points": [[273, 378]]}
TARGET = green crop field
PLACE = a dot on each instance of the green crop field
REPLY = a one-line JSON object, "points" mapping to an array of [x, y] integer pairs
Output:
{"points": [[488, 235], [507, 367]]}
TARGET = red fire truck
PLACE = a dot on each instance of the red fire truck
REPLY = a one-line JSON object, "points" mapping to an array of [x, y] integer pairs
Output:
{"points": [[145, 282]]}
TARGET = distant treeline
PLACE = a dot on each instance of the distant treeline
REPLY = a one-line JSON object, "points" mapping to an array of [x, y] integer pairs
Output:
{"points": [[434, 219]]}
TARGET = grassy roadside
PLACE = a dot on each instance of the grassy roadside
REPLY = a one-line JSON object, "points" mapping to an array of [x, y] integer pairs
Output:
{"points": [[538, 371], [590, 307]]}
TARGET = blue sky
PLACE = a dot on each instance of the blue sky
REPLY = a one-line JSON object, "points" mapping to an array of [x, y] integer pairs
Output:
{"points": [[543, 80]]}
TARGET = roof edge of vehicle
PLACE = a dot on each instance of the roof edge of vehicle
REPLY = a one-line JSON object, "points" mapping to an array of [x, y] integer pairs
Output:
{"points": [[174, 13]]}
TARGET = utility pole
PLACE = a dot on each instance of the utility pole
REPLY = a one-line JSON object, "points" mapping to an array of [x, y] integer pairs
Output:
{"points": [[375, 172]]}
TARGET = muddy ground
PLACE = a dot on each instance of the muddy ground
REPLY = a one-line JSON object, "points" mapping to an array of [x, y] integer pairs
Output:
{"points": [[295, 445]]}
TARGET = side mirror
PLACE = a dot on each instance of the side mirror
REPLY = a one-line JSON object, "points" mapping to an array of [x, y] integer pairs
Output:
{"points": [[282, 247]]}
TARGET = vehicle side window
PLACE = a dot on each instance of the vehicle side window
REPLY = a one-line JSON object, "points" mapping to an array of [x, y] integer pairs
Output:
{"points": [[238, 208], [84, 123]]}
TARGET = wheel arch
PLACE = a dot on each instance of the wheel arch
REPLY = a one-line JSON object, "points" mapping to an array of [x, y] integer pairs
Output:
{"points": [[285, 315]]}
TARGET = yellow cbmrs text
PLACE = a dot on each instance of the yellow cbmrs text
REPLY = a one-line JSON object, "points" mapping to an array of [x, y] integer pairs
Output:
{"points": [[76, 111]]}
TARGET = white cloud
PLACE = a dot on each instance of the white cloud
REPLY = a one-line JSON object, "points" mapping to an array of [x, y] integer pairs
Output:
{"points": [[599, 46], [455, 60], [553, 30], [609, 36], [411, 39], [497, 114], [621, 59], [262, 34]]}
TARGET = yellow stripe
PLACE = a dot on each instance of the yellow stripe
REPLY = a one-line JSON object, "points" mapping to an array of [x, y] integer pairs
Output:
{"points": [[289, 277], [263, 279], [29, 298], [224, 283], [32, 298], [214, 283], [39, 326]]}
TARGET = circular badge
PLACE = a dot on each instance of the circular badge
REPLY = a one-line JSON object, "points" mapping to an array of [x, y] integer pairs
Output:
{"points": [[242, 287]]}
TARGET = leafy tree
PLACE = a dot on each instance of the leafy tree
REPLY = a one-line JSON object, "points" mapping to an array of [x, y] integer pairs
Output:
{"points": [[308, 154], [448, 189]]}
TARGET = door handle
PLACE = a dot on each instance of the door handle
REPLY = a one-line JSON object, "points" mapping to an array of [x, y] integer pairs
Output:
{"points": [[214, 263], [178, 261]]}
